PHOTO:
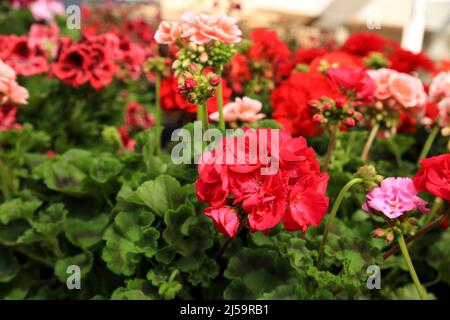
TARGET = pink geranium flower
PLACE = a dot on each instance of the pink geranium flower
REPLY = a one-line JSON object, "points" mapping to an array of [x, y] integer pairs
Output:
{"points": [[244, 109], [407, 90], [45, 38], [169, 31], [444, 112], [209, 27], [440, 86], [381, 79], [394, 197], [10, 90], [46, 9]]}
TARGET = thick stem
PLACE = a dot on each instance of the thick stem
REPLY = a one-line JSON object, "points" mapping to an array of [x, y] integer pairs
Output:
{"points": [[428, 143], [334, 210], [370, 140], [412, 271], [158, 111], [204, 114], [333, 134], [220, 105], [435, 223]]}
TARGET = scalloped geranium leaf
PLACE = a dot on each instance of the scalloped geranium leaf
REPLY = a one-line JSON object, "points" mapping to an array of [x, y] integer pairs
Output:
{"points": [[188, 235], [136, 289], [104, 168], [83, 260], [255, 272], [85, 233], [162, 194], [18, 208], [128, 240]]}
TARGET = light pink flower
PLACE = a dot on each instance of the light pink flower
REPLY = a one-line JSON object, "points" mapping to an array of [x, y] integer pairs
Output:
{"points": [[444, 112], [394, 197], [10, 90], [440, 86], [407, 90], [169, 31], [46, 9], [225, 219], [245, 109], [208, 27], [44, 37], [381, 79]]}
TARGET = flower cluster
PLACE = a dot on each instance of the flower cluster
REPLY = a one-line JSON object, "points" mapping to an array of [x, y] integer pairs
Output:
{"points": [[41, 9], [197, 86], [233, 175], [394, 197], [334, 111], [245, 109], [439, 91], [8, 117], [290, 101]]}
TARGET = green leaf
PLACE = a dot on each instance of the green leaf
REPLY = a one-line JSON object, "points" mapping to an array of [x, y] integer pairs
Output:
{"points": [[165, 280], [128, 239], [188, 235], [18, 208], [105, 168], [255, 272], [136, 289], [51, 220], [162, 194], [83, 260], [265, 123], [9, 267], [85, 233]]}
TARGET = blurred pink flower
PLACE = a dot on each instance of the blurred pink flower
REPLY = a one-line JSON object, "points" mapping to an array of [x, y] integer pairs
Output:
{"points": [[440, 86], [407, 90], [394, 197], [44, 37], [208, 27], [245, 109], [169, 31], [8, 117], [444, 112], [46, 9], [381, 79], [10, 90]]}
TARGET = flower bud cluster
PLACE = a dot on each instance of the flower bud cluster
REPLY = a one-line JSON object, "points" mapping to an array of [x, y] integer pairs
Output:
{"points": [[197, 86], [327, 111]]}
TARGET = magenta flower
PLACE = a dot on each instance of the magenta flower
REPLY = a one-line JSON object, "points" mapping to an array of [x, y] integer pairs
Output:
{"points": [[394, 197]]}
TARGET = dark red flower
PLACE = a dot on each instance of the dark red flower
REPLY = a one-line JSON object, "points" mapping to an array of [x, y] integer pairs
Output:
{"points": [[354, 79], [363, 43], [24, 58], [306, 56], [335, 59], [137, 117], [405, 61], [8, 117]]}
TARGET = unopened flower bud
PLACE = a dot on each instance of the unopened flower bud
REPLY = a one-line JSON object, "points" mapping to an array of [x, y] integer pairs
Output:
{"points": [[350, 122], [319, 118], [214, 81], [203, 57], [190, 83]]}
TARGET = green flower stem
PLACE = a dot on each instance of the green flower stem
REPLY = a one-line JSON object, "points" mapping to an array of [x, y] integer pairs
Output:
{"points": [[370, 140], [204, 114], [333, 134], [35, 257], [7, 180], [158, 111], [437, 204], [334, 210], [220, 105], [428, 143], [412, 271]]}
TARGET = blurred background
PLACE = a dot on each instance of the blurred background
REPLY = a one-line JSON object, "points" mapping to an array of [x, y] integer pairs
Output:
{"points": [[417, 24]]}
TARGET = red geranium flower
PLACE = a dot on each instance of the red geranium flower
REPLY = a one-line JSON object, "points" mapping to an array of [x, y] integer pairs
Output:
{"points": [[24, 58], [355, 79], [290, 101], [335, 59], [363, 43], [8, 117], [137, 117], [434, 176], [233, 174]]}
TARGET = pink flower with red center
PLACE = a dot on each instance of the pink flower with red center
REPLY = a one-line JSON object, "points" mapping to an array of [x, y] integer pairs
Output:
{"points": [[8, 117], [45, 38], [394, 197], [444, 112], [440, 86]]}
